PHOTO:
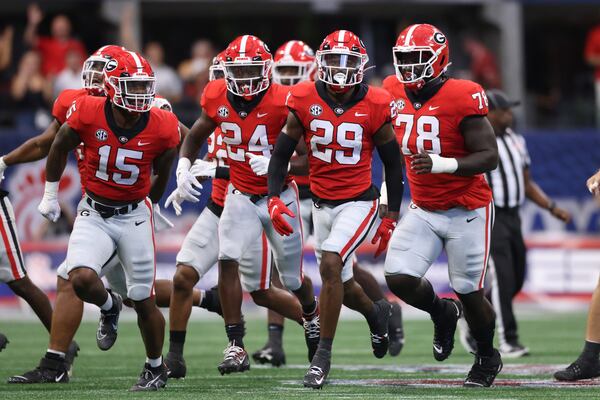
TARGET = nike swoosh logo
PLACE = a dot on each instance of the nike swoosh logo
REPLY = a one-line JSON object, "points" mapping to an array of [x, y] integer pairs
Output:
{"points": [[289, 204], [138, 223], [58, 378], [360, 115], [259, 115], [431, 108], [140, 143], [470, 219], [438, 349], [457, 309], [319, 381]]}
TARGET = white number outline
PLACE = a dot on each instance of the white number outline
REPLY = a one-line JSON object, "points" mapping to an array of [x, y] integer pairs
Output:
{"points": [[120, 164], [341, 137]]}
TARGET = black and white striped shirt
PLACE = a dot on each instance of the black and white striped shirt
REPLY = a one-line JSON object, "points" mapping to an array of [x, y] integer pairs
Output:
{"points": [[508, 181]]}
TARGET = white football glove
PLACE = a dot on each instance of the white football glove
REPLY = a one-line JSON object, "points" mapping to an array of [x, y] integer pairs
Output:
{"points": [[204, 169], [259, 164], [160, 221], [176, 200], [49, 206], [186, 182], [3, 167]]}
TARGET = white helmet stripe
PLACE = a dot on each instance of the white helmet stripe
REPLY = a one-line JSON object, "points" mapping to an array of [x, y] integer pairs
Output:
{"points": [[138, 62], [101, 49], [288, 47], [341, 36], [409, 34], [243, 44]]}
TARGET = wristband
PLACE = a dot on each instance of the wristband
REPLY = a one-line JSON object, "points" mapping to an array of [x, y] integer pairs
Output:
{"points": [[184, 163], [383, 197], [2, 164], [552, 206], [443, 165], [51, 190]]}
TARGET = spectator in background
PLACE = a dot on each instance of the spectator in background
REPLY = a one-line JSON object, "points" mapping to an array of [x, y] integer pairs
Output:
{"points": [[168, 84], [483, 67], [6, 42], [54, 48], [30, 90], [592, 57], [194, 72], [70, 77]]}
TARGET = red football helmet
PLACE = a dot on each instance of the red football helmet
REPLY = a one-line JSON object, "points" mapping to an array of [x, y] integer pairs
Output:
{"points": [[92, 72], [341, 60], [294, 62], [421, 53], [129, 82], [216, 70], [247, 66]]}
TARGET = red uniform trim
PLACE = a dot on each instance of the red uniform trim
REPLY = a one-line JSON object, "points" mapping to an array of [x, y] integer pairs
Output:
{"points": [[487, 247], [265, 262], [294, 186], [149, 205], [9, 252], [359, 231]]}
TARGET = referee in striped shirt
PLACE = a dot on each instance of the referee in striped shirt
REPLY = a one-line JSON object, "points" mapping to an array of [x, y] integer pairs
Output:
{"points": [[511, 183]]}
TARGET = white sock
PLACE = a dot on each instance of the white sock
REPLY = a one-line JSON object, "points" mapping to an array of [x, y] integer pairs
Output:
{"points": [[108, 304], [154, 362], [58, 353]]}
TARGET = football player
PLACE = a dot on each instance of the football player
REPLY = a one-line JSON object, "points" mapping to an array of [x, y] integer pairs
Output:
{"points": [[341, 121], [68, 308], [447, 143], [199, 252], [250, 112], [3, 341], [587, 365], [125, 140]]}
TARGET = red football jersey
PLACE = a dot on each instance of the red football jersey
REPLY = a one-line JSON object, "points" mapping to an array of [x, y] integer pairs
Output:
{"points": [[118, 162], [59, 111], [434, 127], [218, 151], [339, 137], [246, 128]]}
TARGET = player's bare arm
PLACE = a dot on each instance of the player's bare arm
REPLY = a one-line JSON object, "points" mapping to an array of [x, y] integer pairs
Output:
{"points": [[480, 141], [389, 152], [197, 135], [66, 140], [35, 148], [593, 184], [284, 149], [162, 169]]}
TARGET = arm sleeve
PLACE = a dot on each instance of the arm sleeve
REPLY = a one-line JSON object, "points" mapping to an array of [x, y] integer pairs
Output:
{"points": [[385, 110], [278, 166], [390, 156]]}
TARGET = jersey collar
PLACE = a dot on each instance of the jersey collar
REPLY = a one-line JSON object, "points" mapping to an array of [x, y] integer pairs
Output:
{"points": [[429, 90], [242, 106], [360, 91], [124, 135]]}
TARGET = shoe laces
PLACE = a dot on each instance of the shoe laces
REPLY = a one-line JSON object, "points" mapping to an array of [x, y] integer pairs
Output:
{"points": [[312, 327], [378, 339], [315, 370], [232, 352]]}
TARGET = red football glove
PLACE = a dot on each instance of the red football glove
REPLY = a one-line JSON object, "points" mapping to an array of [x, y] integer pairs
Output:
{"points": [[276, 210], [384, 232]]}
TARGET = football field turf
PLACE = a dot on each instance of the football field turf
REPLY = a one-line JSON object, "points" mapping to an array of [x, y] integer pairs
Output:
{"points": [[356, 374]]}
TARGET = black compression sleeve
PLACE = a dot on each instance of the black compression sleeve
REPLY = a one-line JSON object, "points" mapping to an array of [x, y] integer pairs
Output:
{"points": [[390, 156], [278, 166], [222, 173]]}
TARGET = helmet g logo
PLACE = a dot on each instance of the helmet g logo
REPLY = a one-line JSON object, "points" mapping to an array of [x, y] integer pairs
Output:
{"points": [[439, 37], [111, 65]]}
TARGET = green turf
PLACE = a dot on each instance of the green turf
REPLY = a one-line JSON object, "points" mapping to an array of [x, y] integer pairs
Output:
{"points": [[107, 375]]}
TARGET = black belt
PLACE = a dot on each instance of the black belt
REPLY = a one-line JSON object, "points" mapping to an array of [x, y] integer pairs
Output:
{"points": [[107, 211], [215, 208], [3, 193], [507, 210], [255, 198], [371, 193]]}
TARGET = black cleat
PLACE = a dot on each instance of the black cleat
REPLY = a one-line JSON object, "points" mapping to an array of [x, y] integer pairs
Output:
{"points": [[270, 355], [175, 365], [582, 368], [49, 371], [151, 379], [444, 329], [106, 335], [211, 301], [317, 372], [235, 360], [379, 338], [312, 332], [70, 356], [484, 371], [3, 341], [395, 331]]}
